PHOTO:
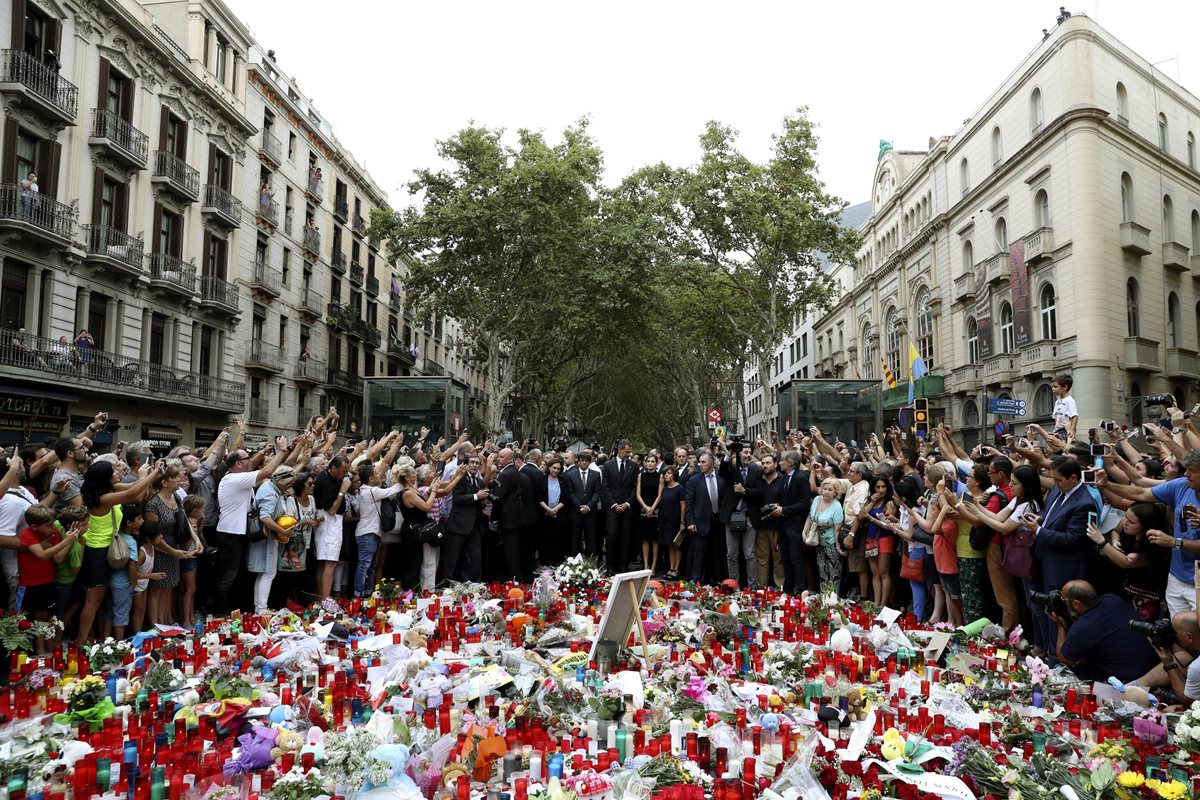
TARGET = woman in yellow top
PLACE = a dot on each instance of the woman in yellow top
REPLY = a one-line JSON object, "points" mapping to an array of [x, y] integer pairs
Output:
{"points": [[971, 566], [103, 501]]}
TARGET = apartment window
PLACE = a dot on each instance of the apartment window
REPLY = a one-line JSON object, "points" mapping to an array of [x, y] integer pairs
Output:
{"points": [[1126, 197], [26, 154], [997, 146], [1049, 306], [972, 341], [970, 414], [964, 176], [925, 329], [206, 350], [216, 256], [261, 252], [1195, 230], [169, 238], [1131, 308], [110, 201], [1173, 329], [172, 135], [1162, 131], [158, 338], [292, 145], [13, 284], [220, 61], [1035, 111], [1043, 401], [804, 345], [868, 354], [116, 91], [1041, 209], [1122, 104], [97, 320], [220, 168], [1002, 233], [1168, 219], [1191, 150], [283, 329], [287, 263], [968, 254], [893, 343], [1007, 339]]}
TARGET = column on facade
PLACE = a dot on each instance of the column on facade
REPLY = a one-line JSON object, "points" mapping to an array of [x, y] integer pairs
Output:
{"points": [[115, 327], [144, 353], [83, 308], [210, 45], [33, 301]]}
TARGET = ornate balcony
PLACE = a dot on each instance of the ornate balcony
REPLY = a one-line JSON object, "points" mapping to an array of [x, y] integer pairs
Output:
{"points": [[267, 280], [1183, 362], [40, 88], [266, 213], [259, 411], [174, 174], [270, 150], [312, 241], [310, 371], [1039, 246], [125, 143], [315, 190], [337, 260], [359, 224], [397, 349], [356, 272], [46, 360], [998, 268], [311, 303], [372, 286], [1000, 369], [1141, 354], [1175, 257], [221, 206], [35, 216], [341, 209], [172, 274], [264, 356], [340, 317], [964, 288], [114, 250], [1135, 239], [218, 294]]}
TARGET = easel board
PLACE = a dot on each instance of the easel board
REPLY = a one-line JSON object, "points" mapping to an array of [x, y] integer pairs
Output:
{"points": [[621, 610]]}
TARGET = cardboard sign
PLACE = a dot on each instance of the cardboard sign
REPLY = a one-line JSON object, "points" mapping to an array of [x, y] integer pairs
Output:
{"points": [[617, 620]]}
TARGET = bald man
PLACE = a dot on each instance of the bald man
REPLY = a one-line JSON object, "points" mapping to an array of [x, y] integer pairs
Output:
{"points": [[508, 512], [1096, 641], [1179, 668]]}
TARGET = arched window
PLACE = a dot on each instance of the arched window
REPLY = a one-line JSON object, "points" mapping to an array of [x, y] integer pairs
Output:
{"points": [[1174, 330], [973, 340], [968, 257], [997, 146], [925, 329], [1007, 337], [1002, 233], [1191, 155], [893, 343], [1043, 401], [1049, 306], [1122, 105], [1168, 219], [970, 414], [1035, 111], [1041, 209], [1131, 308], [1162, 131], [868, 353], [1126, 197]]}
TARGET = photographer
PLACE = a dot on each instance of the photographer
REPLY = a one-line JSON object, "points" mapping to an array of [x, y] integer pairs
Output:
{"points": [[1094, 636], [741, 509], [1180, 669]]}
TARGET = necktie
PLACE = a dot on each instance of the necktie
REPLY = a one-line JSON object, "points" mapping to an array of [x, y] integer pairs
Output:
{"points": [[741, 506], [712, 491], [583, 477]]}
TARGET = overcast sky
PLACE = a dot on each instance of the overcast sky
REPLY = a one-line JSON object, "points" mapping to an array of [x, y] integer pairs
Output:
{"points": [[393, 77]]}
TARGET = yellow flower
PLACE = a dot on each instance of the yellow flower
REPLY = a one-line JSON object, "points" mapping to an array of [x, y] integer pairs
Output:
{"points": [[1152, 783], [1131, 780], [1173, 790]]}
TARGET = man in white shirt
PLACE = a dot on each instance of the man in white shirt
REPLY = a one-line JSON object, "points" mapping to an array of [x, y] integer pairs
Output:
{"points": [[235, 494]]}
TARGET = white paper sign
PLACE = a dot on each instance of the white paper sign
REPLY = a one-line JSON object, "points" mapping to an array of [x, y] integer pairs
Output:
{"points": [[946, 786], [887, 616]]}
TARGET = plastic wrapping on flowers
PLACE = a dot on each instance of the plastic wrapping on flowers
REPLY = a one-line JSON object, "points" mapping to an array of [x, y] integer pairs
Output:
{"points": [[482, 690]]}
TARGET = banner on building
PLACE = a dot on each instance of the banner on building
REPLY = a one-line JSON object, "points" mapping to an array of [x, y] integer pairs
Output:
{"points": [[1020, 292], [983, 311]]}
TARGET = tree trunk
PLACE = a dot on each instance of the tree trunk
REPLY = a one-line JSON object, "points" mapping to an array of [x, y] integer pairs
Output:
{"points": [[770, 407]]}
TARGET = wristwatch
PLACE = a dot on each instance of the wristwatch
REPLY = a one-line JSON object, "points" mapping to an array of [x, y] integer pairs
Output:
{"points": [[1171, 666], [1178, 543]]}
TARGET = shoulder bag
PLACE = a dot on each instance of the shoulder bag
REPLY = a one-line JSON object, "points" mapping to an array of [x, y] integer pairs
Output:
{"points": [[980, 538], [912, 569], [254, 528], [118, 548]]}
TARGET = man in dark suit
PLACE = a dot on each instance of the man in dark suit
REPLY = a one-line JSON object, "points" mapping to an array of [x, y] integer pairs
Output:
{"points": [[508, 511], [795, 502], [583, 504], [741, 510], [1061, 542], [533, 486], [702, 505], [462, 551], [617, 492], [683, 466]]}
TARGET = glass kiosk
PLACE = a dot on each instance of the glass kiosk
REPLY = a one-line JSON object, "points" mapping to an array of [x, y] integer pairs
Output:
{"points": [[408, 404], [842, 410]]}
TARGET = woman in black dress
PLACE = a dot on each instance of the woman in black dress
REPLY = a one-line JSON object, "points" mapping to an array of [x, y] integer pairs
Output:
{"points": [[670, 517], [649, 490]]}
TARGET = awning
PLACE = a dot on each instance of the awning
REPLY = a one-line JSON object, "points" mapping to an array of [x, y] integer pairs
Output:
{"points": [[40, 392], [161, 432]]}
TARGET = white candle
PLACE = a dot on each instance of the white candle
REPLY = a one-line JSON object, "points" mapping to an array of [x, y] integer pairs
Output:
{"points": [[535, 766], [592, 729], [676, 736], [612, 737]]}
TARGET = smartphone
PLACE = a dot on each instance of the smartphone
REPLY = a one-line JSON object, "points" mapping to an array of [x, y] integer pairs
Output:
{"points": [[1092, 518], [1099, 450], [1089, 476], [1000, 441], [1108, 425]]}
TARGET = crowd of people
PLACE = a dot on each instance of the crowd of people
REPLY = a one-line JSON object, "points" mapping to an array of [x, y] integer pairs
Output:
{"points": [[1070, 538]]}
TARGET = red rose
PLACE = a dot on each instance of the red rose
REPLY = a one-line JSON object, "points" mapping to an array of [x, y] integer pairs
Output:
{"points": [[24, 625], [827, 777], [905, 791], [839, 792], [852, 768]]}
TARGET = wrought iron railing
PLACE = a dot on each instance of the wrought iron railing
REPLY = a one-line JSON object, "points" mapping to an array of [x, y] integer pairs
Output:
{"points": [[108, 125], [20, 67], [175, 169], [174, 271], [105, 240], [36, 209]]}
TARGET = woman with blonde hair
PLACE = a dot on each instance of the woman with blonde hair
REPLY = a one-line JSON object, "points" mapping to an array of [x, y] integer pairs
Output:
{"points": [[176, 544], [417, 499]]}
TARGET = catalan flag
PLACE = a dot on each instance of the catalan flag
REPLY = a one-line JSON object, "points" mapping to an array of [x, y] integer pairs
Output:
{"points": [[916, 369], [887, 374]]}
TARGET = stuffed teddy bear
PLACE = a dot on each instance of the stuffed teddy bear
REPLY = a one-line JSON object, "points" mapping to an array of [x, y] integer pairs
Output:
{"points": [[857, 702], [286, 742], [414, 639]]}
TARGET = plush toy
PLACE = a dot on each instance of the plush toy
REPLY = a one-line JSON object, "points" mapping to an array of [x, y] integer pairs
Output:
{"points": [[414, 639], [286, 742], [315, 744], [857, 702], [399, 784], [450, 775], [257, 751]]}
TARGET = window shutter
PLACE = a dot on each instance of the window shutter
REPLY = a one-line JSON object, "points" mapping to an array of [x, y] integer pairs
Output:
{"points": [[11, 132], [177, 236], [18, 25], [121, 213], [102, 91], [127, 99], [156, 234], [181, 140], [164, 123], [212, 161], [207, 249], [97, 195], [54, 36], [49, 156]]}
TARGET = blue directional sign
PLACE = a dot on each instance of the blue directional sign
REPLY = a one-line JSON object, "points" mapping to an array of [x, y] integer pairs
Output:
{"points": [[1006, 407]]}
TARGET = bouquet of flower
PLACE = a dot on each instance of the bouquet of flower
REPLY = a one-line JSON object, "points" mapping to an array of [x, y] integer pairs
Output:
{"points": [[87, 701], [785, 663], [297, 785], [161, 676], [1187, 729], [608, 704], [347, 756], [578, 572], [17, 631], [109, 653]]}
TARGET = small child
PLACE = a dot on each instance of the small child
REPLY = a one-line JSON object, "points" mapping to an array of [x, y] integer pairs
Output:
{"points": [[44, 548], [120, 585], [1066, 413], [143, 572], [68, 596]]}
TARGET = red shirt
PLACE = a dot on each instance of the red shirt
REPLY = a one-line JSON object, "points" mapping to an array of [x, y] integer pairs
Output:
{"points": [[994, 505], [31, 570]]}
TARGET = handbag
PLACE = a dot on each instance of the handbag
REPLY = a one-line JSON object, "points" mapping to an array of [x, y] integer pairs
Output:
{"points": [[118, 549], [980, 538], [739, 522], [1018, 556], [912, 569], [680, 535], [428, 532], [811, 536], [254, 528]]}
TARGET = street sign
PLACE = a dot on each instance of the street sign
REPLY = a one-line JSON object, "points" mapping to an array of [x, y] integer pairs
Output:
{"points": [[1001, 427], [1006, 406], [714, 415]]}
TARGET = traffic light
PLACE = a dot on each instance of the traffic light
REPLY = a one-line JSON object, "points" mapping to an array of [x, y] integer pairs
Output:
{"points": [[921, 417]]}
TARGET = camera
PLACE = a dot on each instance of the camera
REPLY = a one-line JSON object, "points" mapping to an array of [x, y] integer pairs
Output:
{"points": [[1159, 400], [1108, 425], [1098, 451], [736, 442], [559, 443], [1052, 601], [1160, 633], [1087, 476], [712, 443], [767, 509]]}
